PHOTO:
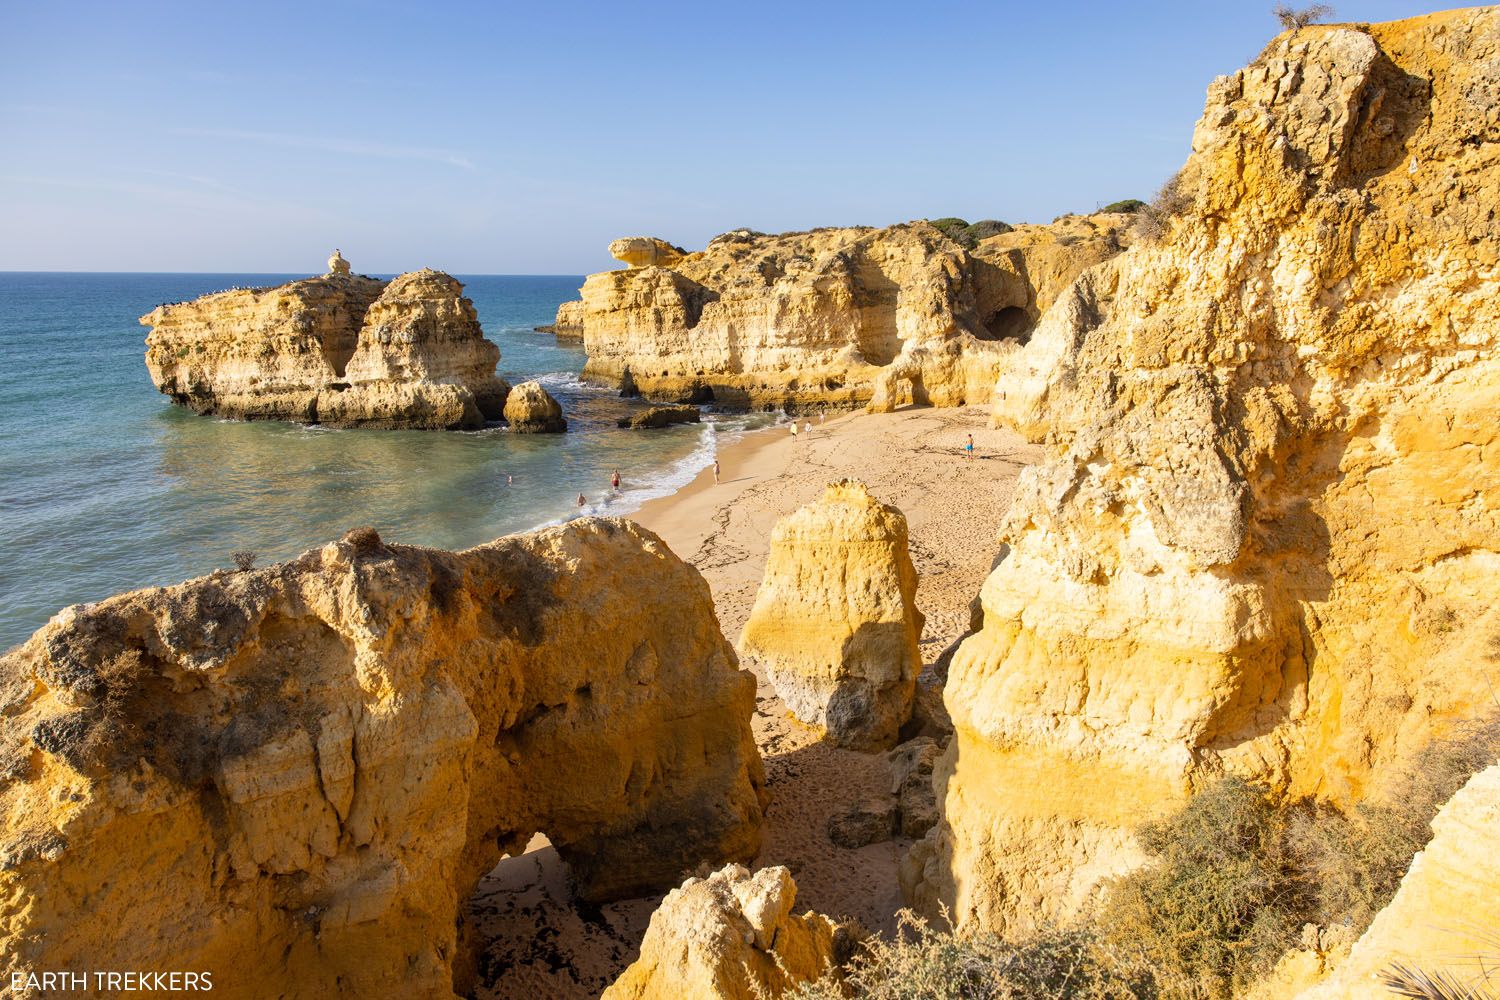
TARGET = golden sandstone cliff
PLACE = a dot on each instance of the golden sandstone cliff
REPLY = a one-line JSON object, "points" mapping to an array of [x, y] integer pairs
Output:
{"points": [[829, 318], [291, 778], [340, 349], [1266, 537], [835, 624]]}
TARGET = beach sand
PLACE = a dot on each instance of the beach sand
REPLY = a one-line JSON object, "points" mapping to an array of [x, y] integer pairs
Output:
{"points": [[539, 942]]}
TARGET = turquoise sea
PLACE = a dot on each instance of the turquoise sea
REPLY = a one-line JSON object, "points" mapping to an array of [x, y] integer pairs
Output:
{"points": [[105, 486]]}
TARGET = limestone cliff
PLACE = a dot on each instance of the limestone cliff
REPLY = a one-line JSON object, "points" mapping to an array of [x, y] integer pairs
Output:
{"points": [[1266, 536], [1443, 919], [293, 777], [341, 349], [831, 317], [730, 936], [835, 624]]}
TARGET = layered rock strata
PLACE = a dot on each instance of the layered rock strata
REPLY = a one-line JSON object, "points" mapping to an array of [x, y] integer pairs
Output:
{"points": [[291, 778], [730, 936], [657, 417], [827, 318], [341, 349], [530, 409], [1266, 536], [835, 624]]}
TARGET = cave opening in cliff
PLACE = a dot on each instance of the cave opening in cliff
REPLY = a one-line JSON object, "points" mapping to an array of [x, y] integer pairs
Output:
{"points": [[1011, 323]]}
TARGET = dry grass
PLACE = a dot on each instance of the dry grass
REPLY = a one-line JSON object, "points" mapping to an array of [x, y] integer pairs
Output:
{"points": [[1153, 221]]}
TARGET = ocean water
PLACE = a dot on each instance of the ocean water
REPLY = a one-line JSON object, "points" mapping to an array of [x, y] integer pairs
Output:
{"points": [[105, 486]]}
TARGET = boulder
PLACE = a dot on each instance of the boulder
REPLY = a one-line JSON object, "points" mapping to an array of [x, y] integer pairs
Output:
{"points": [[569, 322], [292, 778], [661, 416], [869, 822], [912, 764], [835, 623], [730, 936], [530, 409]]}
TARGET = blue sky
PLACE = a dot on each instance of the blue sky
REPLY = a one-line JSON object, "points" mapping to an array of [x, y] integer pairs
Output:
{"points": [[508, 138]]}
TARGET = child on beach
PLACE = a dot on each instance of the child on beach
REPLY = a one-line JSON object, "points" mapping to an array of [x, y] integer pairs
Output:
{"points": [[716, 472], [969, 448]]}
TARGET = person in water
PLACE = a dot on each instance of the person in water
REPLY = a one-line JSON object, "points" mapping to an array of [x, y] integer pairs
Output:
{"points": [[615, 479], [581, 501]]}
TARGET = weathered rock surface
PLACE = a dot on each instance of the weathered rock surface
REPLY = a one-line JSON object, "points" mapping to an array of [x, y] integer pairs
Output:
{"points": [[912, 764], [646, 251], [1266, 536], [828, 318], [569, 322], [730, 936], [662, 416], [1445, 913], [341, 349], [292, 777], [869, 822], [530, 409], [835, 624]]}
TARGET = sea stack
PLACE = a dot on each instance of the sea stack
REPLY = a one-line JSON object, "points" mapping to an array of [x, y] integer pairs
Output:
{"points": [[340, 349], [835, 623]]}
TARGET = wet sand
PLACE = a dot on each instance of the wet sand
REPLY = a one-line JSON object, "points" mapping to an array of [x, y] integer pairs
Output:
{"points": [[540, 944]]}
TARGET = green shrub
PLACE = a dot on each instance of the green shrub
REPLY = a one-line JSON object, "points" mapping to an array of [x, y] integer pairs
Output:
{"points": [[1128, 205], [968, 235]]}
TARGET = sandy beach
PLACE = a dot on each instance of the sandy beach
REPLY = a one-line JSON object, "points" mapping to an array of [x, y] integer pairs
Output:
{"points": [[539, 942]]}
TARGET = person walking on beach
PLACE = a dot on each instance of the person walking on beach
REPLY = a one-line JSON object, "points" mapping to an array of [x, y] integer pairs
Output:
{"points": [[969, 448], [716, 472], [615, 480], [807, 428], [794, 430]]}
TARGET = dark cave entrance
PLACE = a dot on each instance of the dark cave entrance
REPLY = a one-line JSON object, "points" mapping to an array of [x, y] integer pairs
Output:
{"points": [[1011, 323]]}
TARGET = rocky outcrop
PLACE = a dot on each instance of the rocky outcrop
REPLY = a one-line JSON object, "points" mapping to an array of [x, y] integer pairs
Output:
{"points": [[569, 322], [341, 349], [828, 318], [291, 778], [1443, 918], [337, 264], [835, 624], [646, 251], [661, 416], [1265, 537], [530, 409], [730, 936]]}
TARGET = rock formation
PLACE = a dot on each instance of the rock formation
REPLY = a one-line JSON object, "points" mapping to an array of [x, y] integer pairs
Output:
{"points": [[569, 322], [340, 349], [835, 623], [1445, 914], [1266, 535], [337, 264], [730, 936], [646, 251], [831, 317], [530, 409], [292, 777], [661, 416]]}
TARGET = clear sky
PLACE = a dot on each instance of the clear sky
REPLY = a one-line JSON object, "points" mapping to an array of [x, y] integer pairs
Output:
{"points": [[522, 138]]}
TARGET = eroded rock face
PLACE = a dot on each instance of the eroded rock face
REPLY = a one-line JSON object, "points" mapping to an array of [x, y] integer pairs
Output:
{"points": [[730, 936], [292, 777], [341, 349], [1265, 539], [661, 416], [645, 251], [828, 318], [835, 623], [1444, 915], [530, 409], [569, 322]]}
